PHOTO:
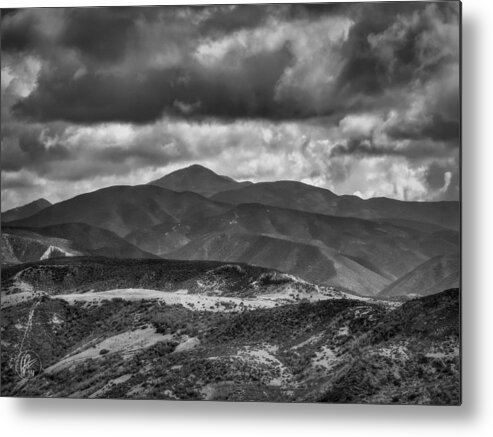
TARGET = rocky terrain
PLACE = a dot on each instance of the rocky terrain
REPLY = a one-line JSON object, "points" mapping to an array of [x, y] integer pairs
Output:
{"points": [[155, 329]]}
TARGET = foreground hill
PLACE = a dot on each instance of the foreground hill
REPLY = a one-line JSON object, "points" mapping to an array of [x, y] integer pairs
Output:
{"points": [[360, 255], [20, 245], [25, 210], [122, 209], [296, 195], [437, 274], [202, 330], [199, 180]]}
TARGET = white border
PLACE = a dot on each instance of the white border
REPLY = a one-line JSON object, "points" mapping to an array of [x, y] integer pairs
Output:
{"points": [[29, 417]]}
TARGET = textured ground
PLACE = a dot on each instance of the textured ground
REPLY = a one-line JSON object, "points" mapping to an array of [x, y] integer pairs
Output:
{"points": [[224, 332]]}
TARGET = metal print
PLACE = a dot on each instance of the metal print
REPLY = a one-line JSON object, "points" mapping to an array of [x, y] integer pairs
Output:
{"points": [[232, 203]]}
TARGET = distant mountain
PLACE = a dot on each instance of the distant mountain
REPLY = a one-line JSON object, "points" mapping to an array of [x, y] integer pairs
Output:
{"points": [[359, 245], [21, 245], [433, 276], [296, 195], [360, 255], [25, 211], [123, 209], [199, 180], [283, 194]]}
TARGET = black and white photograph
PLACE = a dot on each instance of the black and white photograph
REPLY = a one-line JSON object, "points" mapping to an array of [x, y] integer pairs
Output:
{"points": [[255, 202]]}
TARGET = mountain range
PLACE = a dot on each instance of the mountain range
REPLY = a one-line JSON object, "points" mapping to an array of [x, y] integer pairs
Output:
{"points": [[370, 247]]}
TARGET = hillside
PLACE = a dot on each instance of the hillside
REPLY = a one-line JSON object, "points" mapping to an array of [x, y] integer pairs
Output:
{"points": [[157, 329], [361, 255], [437, 274], [122, 209], [199, 180], [303, 197], [25, 211], [20, 245]]}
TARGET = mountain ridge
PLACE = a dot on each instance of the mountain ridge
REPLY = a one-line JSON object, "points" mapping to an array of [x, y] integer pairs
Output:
{"points": [[124, 208], [24, 211], [285, 224]]}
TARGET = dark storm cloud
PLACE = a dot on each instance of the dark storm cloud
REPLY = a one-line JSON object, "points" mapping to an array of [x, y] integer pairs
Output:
{"points": [[436, 128], [367, 147], [31, 147], [387, 45], [435, 175], [99, 33], [19, 182], [19, 31], [229, 19], [244, 92], [103, 37]]}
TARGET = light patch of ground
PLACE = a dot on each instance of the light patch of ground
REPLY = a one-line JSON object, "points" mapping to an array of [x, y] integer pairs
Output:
{"points": [[437, 355], [8, 300], [194, 302], [126, 343], [55, 250], [393, 351], [109, 385], [290, 293], [361, 311], [261, 355], [200, 302], [208, 391], [20, 284], [446, 352], [324, 357], [189, 343], [343, 331], [170, 394], [13, 297], [308, 341], [56, 319], [136, 391], [264, 355]]}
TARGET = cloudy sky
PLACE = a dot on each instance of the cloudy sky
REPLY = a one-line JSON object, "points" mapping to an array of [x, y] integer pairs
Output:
{"points": [[358, 98]]}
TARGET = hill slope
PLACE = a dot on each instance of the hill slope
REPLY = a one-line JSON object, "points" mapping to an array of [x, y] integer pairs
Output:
{"points": [[341, 251], [122, 209], [25, 210], [21, 245], [296, 195], [437, 274], [157, 329]]}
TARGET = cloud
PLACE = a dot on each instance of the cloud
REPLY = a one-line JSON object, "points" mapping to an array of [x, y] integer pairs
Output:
{"points": [[272, 63]]}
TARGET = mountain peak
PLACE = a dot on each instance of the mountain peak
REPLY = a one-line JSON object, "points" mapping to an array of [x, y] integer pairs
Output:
{"points": [[196, 167], [198, 179]]}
